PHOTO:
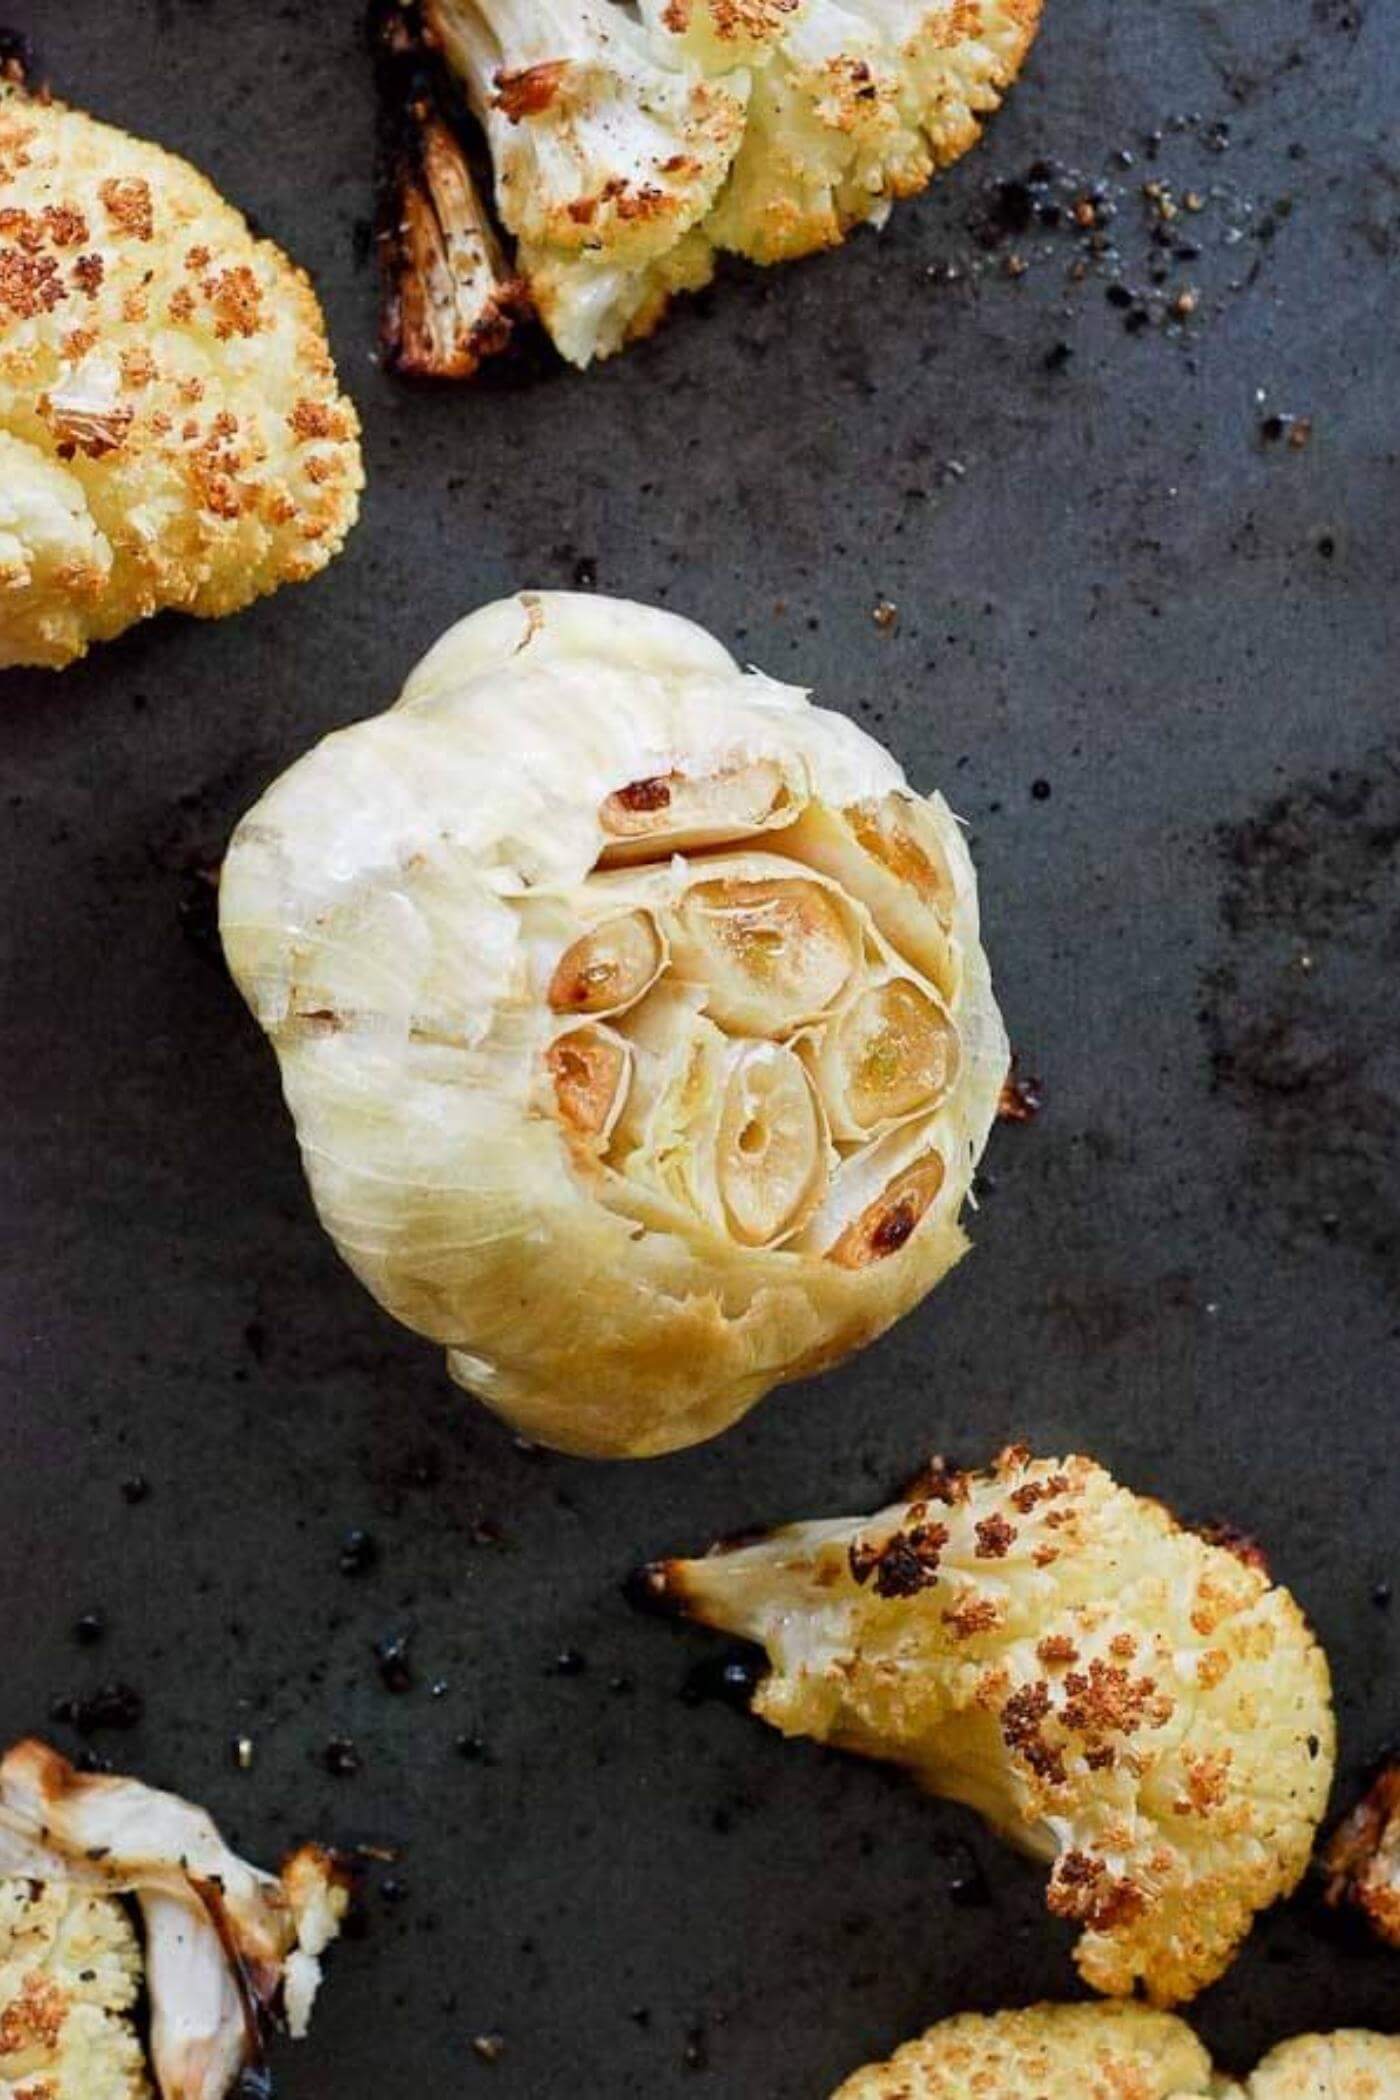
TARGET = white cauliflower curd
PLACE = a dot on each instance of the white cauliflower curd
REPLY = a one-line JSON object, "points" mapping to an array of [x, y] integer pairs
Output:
{"points": [[1114, 1694], [1115, 2052], [225, 1948], [633, 1015], [171, 430]]}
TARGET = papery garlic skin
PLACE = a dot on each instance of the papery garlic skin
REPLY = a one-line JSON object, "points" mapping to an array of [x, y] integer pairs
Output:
{"points": [[547, 1121]]}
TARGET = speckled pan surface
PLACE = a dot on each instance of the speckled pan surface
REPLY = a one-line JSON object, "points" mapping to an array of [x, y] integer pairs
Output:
{"points": [[1111, 579]]}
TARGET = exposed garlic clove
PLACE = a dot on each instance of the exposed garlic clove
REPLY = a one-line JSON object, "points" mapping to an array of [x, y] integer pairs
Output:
{"points": [[772, 953], [892, 1053], [909, 871], [770, 1157], [610, 968], [879, 1196], [589, 1069], [674, 812], [891, 1221]]}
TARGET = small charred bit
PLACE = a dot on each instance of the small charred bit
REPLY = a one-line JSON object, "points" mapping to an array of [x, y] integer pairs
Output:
{"points": [[451, 297], [110, 1706], [1021, 1099], [395, 1668], [904, 1564], [16, 61], [731, 1679], [1362, 1858], [655, 1589], [1219, 1531]]}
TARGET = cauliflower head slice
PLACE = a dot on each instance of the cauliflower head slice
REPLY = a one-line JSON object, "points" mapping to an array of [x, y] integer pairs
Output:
{"points": [[171, 429], [861, 103], [721, 34], [227, 1947], [608, 153], [1115, 2052], [1111, 1692], [70, 1974], [1056, 2052]]}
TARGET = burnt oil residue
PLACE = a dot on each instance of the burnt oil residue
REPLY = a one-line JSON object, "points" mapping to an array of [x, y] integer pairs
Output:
{"points": [[1298, 1012]]}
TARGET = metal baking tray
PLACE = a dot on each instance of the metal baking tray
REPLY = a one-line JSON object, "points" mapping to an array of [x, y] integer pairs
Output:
{"points": [[1146, 644]]}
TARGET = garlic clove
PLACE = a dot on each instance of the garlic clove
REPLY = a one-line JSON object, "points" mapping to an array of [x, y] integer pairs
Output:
{"points": [[904, 860], [892, 1053], [672, 812], [891, 1221], [609, 968], [590, 1069], [770, 1147], [772, 953]]}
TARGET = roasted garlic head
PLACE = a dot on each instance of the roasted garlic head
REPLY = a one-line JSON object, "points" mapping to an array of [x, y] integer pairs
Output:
{"points": [[633, 1016]]}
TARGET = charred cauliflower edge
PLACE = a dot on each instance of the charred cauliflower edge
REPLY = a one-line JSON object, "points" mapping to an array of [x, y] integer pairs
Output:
{"points": [[1136, 1706]]}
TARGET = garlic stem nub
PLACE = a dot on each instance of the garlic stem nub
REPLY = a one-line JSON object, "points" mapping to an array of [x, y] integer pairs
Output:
{"points": [[666, 812], [770, 1148], [609, 968], [891, 1221], [590, 1069], [771, 954]]}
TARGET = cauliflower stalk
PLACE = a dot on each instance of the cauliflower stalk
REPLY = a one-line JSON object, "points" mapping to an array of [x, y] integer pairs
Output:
{"points": [[606, 157], [1115, 2052], [226, 1947], [632, 145], [171, 430], [1115, 1695], [1362, 1858]]}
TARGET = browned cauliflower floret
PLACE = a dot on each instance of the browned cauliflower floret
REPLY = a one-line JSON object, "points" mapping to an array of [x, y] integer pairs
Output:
{"points": [[1348, 2065], [171, 431], [862, 103], [1115, 2052], [631, 145], [226, 1947], [1113, 1693], [1047, 2052], [70, 1973], [1362, 1859]]}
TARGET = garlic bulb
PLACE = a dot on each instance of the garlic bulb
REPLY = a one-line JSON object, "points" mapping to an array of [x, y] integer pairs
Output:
{"points": [[632, 1014]]}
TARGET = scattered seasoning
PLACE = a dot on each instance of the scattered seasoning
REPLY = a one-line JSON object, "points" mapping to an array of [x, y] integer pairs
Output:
{"points": [[340, 1757], [472, 1748], [395, 1670], [586, 573], [1040, 791], [1058, 356], [110, 1706], [695, 2055], [1296, 430], [358, 1553], [439, 1688], [135, 1490], [885, 614], [568, 1663], [243, 1750], [1381, 1596], [968, 1886], [89, 1629], [392, 1890], [489, 2047]]}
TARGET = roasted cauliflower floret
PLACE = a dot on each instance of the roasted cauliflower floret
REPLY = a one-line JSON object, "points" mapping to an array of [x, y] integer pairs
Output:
{"points": [[862, 103], [630, 145], [70, 1974], [1362, 1859], [171, 431], [1115, 2052], [1114, 1694], [606, 157], [226, 1947], [1047, 2052], [1348, 2065]]}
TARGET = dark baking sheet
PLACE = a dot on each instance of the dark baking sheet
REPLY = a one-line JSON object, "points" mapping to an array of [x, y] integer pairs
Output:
{"points": [[1111, 579]]}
